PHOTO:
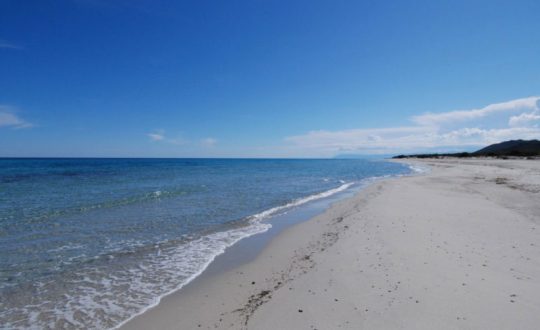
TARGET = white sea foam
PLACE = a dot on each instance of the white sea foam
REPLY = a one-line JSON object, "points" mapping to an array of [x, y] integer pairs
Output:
{"points": [[300, 201], [212, 246], [104, 283], [216, 243], [139, 283]]}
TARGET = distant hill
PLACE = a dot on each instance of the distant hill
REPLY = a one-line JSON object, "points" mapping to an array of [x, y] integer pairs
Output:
{"points": [[511, 148], [518, 148]]}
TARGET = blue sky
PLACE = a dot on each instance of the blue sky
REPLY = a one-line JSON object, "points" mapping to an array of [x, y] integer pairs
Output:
{"points": [[156, 78]]}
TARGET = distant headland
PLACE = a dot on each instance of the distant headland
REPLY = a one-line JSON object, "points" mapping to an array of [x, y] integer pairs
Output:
{"points": [[512, 148]]}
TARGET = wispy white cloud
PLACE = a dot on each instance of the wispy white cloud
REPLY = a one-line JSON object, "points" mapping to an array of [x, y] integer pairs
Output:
{"points": [[356, 137], [9, 118], [157, 135], [160, 136], [464, 115], [525, 119], [208, 142], [432, 132], [8, 45]]}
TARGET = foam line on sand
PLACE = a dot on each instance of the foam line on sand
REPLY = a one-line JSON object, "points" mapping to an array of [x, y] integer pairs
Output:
{"points": [[455, 248]]}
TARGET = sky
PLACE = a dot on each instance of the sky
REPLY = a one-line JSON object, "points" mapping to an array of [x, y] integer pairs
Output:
{"points": [[265, 78]]}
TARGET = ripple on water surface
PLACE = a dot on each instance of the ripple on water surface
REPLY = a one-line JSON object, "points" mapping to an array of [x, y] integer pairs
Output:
{"points": [[90, 243]]}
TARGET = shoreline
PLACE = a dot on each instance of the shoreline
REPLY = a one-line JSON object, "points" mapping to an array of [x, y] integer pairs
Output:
{"points": [[377, 260], [243, 253], [281, 218], [145, 235], [233, 255], [247, 248]]}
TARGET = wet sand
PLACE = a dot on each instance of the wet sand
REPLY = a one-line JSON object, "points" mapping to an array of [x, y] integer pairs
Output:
{"points": [[458, 247]]}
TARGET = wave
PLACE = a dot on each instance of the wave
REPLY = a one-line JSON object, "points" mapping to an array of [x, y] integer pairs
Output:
{"points": [[214, 245], [157, 226], [130, 286], [300, 201], [220, 241]]}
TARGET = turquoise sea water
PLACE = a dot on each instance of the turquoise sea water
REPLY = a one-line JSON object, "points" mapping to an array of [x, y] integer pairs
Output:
{"points": [[91, 242]]}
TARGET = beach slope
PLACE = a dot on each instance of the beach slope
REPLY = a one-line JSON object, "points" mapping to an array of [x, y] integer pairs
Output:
{"points": [[458, 247]]}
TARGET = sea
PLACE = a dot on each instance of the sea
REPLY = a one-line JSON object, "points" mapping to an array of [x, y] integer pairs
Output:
{"points": [[89, 243]]}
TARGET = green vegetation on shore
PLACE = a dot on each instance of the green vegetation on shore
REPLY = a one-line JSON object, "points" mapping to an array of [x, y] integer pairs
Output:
{"points": [[512, 148]]}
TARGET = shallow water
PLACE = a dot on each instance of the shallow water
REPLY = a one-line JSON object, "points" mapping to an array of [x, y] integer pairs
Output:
{"points": [[91, 242]]}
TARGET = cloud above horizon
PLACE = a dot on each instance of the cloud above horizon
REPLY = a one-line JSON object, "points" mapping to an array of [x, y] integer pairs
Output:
{"points": [[160, 136], [9, 118], [156, 136], [445, 131], [208, 142], [466, 115]]}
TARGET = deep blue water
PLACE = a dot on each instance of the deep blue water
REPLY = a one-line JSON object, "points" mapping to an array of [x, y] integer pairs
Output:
{"points": [[90, 242]]}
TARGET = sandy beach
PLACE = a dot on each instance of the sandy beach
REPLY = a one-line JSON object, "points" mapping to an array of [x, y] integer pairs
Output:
{"points": [[456, 248]]}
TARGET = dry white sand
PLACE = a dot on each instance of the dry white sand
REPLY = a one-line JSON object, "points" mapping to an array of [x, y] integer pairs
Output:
{"points": [[458, 248]]}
